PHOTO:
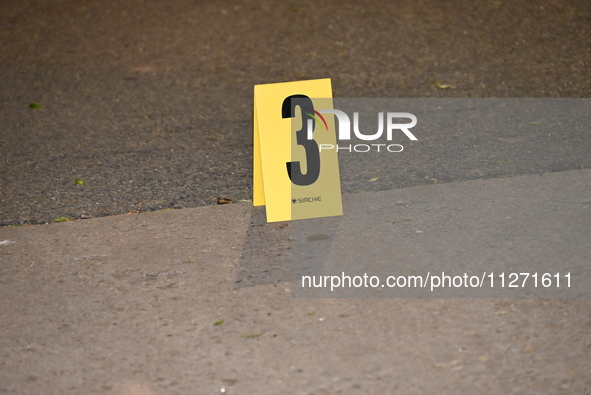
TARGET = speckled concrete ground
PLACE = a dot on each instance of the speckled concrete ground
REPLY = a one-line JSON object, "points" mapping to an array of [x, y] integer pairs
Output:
{"points": [[172, 302]]}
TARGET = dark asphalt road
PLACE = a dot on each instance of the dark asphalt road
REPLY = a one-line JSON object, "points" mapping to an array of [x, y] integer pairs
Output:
{"points": [[151, 102]]}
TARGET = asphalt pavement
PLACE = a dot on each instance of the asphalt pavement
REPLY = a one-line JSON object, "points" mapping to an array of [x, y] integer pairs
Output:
{"points": [[151, 102]]}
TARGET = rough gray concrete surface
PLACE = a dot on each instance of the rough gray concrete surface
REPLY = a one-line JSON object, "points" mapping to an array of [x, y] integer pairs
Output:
{"points": [[154, 303]]}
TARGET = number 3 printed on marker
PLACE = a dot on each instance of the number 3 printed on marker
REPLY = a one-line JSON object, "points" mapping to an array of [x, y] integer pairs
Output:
{"points": [[294, 169]]}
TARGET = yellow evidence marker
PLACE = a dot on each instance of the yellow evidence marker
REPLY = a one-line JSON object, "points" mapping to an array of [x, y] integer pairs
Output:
{"points": [[292, 176]]}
